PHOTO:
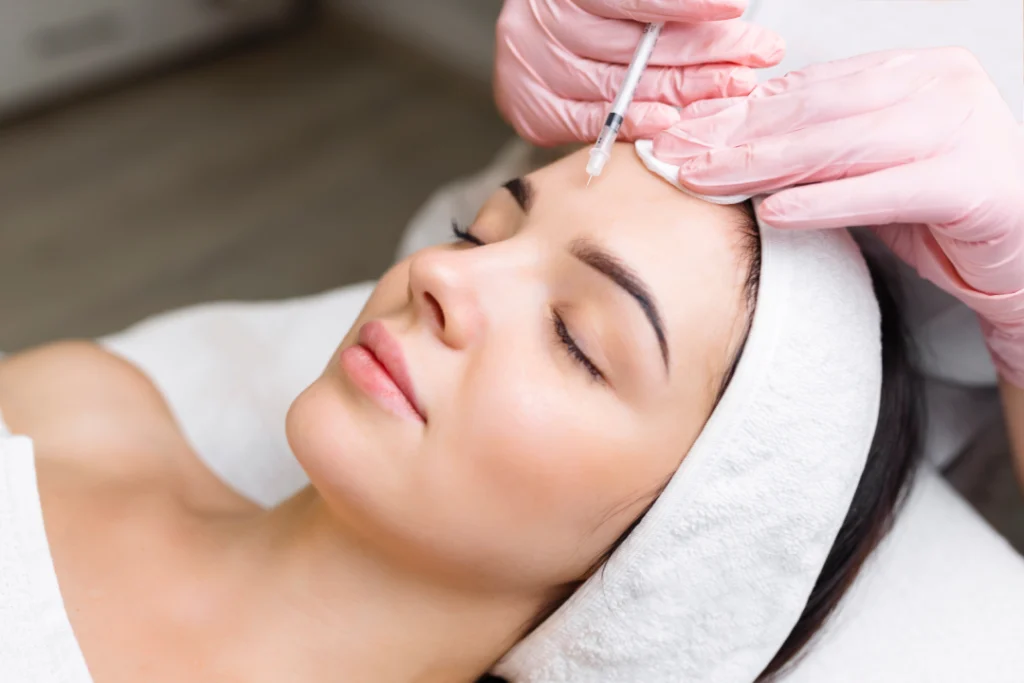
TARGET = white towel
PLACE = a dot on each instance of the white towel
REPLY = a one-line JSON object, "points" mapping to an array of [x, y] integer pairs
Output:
{"points": [[711, 582], [37, 644]]}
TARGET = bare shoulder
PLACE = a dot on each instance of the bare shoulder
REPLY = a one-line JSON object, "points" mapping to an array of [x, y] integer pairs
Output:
{"points": [[73, 393], [78, 374], [97, 419]]}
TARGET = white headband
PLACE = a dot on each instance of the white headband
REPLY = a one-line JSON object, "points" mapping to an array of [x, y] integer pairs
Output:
{"points": [[709, 585]]}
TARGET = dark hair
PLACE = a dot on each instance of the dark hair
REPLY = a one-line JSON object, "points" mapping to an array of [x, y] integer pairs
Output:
{"points": [[888, 474], [892, 458]]}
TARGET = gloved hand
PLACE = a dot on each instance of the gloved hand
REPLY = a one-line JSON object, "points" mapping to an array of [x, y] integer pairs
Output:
{"points": [[559, 63], [918, 143]]}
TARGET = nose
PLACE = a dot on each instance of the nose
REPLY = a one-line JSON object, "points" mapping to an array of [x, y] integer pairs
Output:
{"points": [[445, 288]]}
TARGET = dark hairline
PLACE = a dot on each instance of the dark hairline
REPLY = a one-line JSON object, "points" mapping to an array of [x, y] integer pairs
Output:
{"points": [[750, 252]]}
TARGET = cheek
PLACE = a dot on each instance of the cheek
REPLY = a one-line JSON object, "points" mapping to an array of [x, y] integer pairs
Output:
{"points": [[328, 427], [560, 460], [394, 284], [389, 296]]}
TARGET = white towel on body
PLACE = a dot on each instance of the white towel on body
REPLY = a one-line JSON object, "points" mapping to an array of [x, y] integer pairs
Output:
{"points": [[37, 644]]}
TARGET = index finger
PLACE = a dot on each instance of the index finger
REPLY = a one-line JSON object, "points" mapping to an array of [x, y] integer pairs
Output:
{"points": [[732, 41], [666, 10]]}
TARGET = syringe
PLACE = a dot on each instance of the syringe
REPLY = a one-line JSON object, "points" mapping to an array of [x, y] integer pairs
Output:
{"points": [[603, 147]]}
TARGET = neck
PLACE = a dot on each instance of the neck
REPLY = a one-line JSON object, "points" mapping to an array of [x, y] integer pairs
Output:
{"points": [[295, 589]]}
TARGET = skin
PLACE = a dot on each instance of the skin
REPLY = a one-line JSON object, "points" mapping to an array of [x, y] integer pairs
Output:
{"points": [[422, 547]]}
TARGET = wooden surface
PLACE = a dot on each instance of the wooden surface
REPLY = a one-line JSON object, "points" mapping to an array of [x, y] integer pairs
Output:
{"points": [[284, 168]]}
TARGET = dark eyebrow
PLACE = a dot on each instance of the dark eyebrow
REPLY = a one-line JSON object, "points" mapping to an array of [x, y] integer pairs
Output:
{"points": [[595, 256], [521, 190]]}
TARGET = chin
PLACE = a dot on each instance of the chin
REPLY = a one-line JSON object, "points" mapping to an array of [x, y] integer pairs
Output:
{"points": [[348, 453]]}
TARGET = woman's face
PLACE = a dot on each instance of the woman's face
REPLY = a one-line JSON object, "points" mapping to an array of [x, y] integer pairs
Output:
{"points": [[502, 413]]}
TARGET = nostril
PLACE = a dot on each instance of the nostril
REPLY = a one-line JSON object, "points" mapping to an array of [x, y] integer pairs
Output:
{"points": [[435, 309]]}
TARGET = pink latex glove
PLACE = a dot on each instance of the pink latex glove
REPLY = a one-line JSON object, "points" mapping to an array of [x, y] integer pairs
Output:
{"points": [[559, 63], [917, 143]]}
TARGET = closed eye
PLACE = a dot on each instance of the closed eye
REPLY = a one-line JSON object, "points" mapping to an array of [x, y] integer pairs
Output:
{"points": [[572, 348], [463, 235], [562, 334]]}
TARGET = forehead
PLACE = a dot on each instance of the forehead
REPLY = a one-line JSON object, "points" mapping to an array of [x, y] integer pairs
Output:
{"points": [[627, 199], [687, 250]]}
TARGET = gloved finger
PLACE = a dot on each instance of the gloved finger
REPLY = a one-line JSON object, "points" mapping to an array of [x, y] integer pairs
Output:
{"points": [[906, 194], [776, 87], [916, 245], [738, 42], [826, 71], [567, 121], [841, 72], [818, 153], [666, 10], [975, 279], [750, 119], [928, 62], [987, 254], [978, 220], [600, 82], [643, 120], [710, 107], [898, 202]]}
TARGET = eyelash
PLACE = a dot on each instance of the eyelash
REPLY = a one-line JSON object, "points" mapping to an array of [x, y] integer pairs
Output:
{"points": [[463, 235], [561, 331], [573, 349]]}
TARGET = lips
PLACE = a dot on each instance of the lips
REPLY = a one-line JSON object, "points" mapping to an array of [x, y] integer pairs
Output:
{"points": [[377, 366]]}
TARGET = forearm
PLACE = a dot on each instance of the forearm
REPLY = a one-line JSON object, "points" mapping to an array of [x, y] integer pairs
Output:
{"points": [[1013, 409]]}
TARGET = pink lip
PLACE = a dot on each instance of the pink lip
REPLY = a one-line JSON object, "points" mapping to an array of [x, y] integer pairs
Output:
{"points": [[377, 366]]}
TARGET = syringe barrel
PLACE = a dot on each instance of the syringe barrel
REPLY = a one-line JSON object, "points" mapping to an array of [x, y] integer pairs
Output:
{"points": [[641, 56], [602, 149]]}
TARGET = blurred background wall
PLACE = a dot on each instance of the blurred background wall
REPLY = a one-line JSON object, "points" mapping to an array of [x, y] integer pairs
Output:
{"points": [[155, 154], [53, 47], [457, 33]]}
